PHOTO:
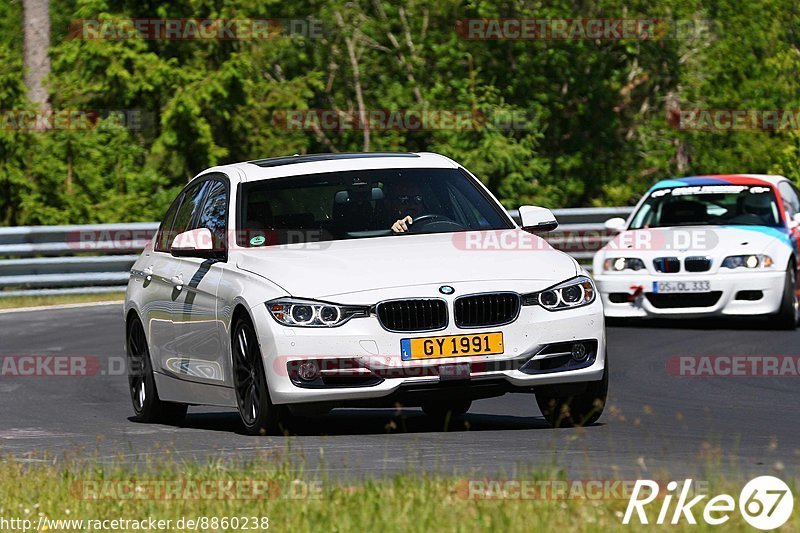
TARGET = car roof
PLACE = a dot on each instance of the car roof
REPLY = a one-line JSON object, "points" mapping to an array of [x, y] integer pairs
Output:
{"points": [[721, 179], [297, 165]]}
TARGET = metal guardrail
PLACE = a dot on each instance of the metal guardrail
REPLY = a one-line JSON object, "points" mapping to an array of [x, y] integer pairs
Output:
{"points": [[46, 260]]}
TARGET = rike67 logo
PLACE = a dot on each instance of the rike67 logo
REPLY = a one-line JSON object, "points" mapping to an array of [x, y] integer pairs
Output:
{"points": [[765, 503]]}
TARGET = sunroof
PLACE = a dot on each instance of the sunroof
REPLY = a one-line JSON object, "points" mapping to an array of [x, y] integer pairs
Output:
{"points": [[310, 158]]}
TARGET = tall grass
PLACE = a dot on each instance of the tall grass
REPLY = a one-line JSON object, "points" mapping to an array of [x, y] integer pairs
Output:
{"points": [[300, 500]]}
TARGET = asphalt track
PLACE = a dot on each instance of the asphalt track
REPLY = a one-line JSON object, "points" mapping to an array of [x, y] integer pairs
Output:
{"points": [[656, 423]]}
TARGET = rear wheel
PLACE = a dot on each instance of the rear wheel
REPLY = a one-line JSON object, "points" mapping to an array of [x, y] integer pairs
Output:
{"points": [[580, 409], [141, 383], [259, 415], [789, 313]]}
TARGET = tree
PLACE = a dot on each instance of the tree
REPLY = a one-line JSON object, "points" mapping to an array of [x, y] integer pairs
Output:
{"points": [[559, 123], [36, 47]]}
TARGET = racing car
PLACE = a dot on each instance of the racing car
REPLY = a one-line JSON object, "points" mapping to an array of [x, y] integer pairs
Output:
{"points": [[721, 245]]}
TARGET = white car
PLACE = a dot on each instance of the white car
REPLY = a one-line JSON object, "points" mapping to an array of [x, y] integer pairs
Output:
{"points": [[299, 284], [705, 246]]}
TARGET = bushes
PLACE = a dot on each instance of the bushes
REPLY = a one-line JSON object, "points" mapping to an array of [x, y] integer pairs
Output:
{"points": [[590, 122]]}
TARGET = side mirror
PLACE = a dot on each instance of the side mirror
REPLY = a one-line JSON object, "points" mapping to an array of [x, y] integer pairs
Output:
{"points": [[616, 224], [537, 219], [193, 243]]}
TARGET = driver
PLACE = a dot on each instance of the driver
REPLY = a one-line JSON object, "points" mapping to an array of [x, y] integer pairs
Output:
{"points": [[404, 202], [759, 205]]}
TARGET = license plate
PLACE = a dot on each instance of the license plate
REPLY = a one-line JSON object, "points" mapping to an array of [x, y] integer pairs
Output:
{"points": [[681, 286], [451, 346]]}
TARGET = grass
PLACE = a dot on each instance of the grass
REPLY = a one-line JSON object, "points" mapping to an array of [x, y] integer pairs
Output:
{"points": [[17, 302], [404, 502]]}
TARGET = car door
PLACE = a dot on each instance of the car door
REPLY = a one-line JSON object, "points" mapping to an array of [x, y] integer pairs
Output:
{"points": [[791, 207], [157, 287], [163, 267], [198, 336]]}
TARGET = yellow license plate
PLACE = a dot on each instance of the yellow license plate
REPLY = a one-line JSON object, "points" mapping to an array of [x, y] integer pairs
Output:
{"points": [[451, 346]]}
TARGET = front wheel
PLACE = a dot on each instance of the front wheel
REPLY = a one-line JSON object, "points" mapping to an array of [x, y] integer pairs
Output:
{"points": [[789, 313], [147, 406], [259, 415], [579, 409]]}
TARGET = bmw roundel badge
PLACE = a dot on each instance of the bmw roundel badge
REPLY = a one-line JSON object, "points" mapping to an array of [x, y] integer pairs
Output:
{"points": [[446, 289]]}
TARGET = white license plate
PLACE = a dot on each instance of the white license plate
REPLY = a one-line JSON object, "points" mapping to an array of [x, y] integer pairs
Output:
{"points": [[681, 286]]}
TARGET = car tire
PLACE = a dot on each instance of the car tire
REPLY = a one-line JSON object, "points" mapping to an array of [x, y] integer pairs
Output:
{"points": [[258, 414], [787, 317], [147, 406], [581, 409]]}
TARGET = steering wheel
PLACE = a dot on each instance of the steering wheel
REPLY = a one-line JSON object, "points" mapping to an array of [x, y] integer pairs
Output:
{"points": [[434, 224]]}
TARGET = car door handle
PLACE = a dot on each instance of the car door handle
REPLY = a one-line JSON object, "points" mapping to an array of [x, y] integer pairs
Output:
{"points": [[177, 281]]}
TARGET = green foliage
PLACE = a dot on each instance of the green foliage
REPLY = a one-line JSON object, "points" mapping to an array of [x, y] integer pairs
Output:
{"points": [[589, 122]]}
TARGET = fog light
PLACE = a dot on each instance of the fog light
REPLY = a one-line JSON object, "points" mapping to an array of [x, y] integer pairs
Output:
{"points": [[308, 371], [579, 352]]}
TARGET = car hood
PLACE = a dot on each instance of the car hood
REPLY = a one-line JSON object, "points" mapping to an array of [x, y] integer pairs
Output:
{"points": [[328, 269], [698, 240]]}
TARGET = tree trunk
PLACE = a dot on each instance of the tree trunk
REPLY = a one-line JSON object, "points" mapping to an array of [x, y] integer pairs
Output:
{"points": [[36, 46]]}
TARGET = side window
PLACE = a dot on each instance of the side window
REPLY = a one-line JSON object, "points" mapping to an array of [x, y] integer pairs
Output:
{"points": [[165, 229], [790, 201], [214, 213], [189, 209], [796, 195]]}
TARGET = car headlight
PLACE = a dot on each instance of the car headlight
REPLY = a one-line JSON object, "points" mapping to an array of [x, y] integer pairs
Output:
{"points": [[747, 261], [618, 264], [313, 314], [573, 293]]}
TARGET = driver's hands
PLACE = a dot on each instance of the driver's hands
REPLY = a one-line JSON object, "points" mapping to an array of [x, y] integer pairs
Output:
{"points": [[401, 226]]}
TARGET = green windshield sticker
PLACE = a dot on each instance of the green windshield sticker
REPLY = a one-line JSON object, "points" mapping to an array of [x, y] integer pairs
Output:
{"points": [[258, 241]]}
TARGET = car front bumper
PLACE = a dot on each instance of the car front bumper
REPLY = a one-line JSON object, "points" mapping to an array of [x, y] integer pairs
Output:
{"points": [[363, 343], [730, 294]]}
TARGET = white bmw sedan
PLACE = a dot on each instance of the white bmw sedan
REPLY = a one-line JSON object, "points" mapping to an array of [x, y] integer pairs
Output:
{"points": [[706, 246], [295, 285]]}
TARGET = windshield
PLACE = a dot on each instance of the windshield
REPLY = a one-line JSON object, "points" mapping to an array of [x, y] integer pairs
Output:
{"points": [[362, 204], [708, 205]]}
